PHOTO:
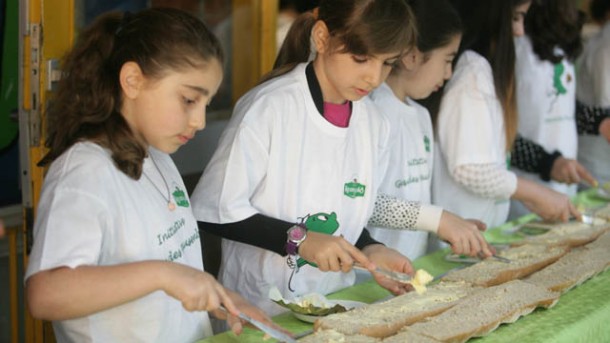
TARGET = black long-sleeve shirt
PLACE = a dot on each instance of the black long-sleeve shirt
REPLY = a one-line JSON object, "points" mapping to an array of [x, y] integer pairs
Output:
{"points": [[530, 156], [265, 232]]}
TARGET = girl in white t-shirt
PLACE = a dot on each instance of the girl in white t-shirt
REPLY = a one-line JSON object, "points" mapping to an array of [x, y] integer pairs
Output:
{"points": [[419, 73], [308, 147], [477, 122], [546, 95], [116, 254]]}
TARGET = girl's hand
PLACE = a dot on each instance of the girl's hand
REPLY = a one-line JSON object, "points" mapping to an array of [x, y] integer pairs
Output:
{"points": [[604, 129], [570, 171], [331, 253], [196, 289], [235, 323], [464, 236], [548, 204], [389, 259]]}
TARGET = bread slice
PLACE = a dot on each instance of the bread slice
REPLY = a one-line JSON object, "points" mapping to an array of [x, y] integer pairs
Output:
{"points": [[602, 241], [572, 234], [387, 318], [525, 260], [575, 267], [405, 335], [572, 269], [332, 336], [603, 212], [483, 311]]}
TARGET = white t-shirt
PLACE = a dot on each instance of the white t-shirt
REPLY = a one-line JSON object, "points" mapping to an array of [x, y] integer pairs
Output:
{"points": [[546, 97], [92, 214], [409, 176], [594, 90], [279, 157], [470, 130]]}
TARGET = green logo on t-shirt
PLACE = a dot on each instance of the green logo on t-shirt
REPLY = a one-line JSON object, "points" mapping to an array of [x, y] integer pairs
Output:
{"points": [[427, 143], [354, 189], [557, 84], [180, 197]]}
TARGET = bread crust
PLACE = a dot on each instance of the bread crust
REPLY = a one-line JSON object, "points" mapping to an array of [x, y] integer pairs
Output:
{"points": [[575, 267], [464, 321], [525, 260], [332, 336], [387, 318], [572, 234]]}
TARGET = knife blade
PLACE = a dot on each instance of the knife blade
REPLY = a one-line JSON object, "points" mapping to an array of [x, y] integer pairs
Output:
{"points": [[501, 259], [274, 333], [496, 257], [396, 276], [303, 334]]}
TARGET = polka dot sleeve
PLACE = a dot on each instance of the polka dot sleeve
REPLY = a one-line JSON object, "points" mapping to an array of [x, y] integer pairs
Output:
{"points": [[529, 156], [589, 118], [395, 213]]}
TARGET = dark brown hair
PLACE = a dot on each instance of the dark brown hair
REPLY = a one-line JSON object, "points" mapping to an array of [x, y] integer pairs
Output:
{"points": [[599, 10], [438, 23], [88, 100], [488, 31], [360, 27], [554, 23]]}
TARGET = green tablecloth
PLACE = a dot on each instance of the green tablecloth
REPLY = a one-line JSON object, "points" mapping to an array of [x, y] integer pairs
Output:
{"points": [[581, 315]]}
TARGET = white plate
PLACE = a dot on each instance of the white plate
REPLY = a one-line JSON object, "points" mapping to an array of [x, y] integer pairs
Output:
{"points": [[348, 304]]}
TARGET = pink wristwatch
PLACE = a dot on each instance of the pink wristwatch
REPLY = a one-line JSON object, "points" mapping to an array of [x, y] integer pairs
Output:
{"points": [[296, 235]]}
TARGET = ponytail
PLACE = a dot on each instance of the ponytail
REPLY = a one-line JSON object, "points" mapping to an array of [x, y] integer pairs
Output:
{"points": [[296, 47], [360, 27]]}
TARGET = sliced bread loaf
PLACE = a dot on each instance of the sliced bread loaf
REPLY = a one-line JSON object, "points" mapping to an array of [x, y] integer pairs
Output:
{"points": [[483, 311], [405, 336], [572, 234], [603, 212], [387, 318], [575, 267], [602, 241], [525, 260], [332, 336], [571, 270]]}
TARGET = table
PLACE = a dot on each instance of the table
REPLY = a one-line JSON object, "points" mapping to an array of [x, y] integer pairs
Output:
{"points": [[581, 315]]}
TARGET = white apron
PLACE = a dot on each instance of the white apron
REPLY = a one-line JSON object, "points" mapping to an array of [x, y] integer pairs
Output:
{"points": [[470, 131], [90, 213], [546, 95], [279, 157], [409, 176]]}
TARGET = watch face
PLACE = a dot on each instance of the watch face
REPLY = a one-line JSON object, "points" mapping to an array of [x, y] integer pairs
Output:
{"points": [[296, 233]]}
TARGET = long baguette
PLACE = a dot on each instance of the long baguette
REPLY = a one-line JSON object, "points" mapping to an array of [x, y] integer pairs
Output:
{"points": [[603, 212], [525, 260], [483, 311], [602, 241], [332, 336], [405, 336], [572, 234], [575, 267], [387, 318]]}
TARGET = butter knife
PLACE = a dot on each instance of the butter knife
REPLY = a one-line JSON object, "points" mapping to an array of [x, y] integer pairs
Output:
{"points": [[396, 276], [274, 333], [496, 257]]}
